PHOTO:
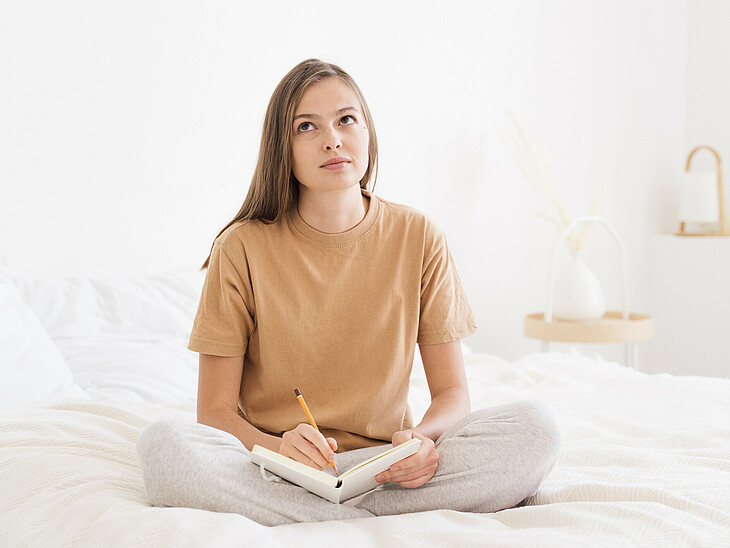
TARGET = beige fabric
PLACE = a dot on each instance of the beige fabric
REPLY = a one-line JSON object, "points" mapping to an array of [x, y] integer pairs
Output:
{"points": [[336, 315]]}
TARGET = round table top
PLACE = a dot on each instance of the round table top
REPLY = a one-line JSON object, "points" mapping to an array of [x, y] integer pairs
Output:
{"points": [[611, 328]]}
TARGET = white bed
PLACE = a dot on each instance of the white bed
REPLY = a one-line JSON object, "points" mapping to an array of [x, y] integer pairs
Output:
{"points": [[645, 458]]}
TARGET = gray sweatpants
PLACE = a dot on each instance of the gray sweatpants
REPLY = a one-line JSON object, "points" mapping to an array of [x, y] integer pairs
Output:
{"points": [[492, 459]]}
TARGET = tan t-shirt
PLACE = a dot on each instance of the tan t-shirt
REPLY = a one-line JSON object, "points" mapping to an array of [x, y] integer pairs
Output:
{"points": [[336, 315]]}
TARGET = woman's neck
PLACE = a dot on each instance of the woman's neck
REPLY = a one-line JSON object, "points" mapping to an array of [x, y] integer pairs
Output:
{"points": [[334, 211]]}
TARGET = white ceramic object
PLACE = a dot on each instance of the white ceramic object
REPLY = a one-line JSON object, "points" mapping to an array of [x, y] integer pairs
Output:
{"points": [[578, 293]]}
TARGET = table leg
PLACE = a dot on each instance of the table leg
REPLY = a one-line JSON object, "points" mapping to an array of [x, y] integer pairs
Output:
{"points": [[631, 355]]}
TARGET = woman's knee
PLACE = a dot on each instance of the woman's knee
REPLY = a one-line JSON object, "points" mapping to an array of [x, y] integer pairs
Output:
{"points": [[542, 416], [532, 425], [159, 447], [544, 434], [161, 436]]}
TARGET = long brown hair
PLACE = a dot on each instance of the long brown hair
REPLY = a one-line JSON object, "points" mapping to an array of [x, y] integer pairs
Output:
{"points": [[274, 189]]}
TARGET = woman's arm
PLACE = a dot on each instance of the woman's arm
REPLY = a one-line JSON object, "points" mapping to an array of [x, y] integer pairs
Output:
{"points": [[219, 382], [444, 367]]}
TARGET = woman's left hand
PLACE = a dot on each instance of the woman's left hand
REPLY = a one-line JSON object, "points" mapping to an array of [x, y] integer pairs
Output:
{"points": [[415, 470]]}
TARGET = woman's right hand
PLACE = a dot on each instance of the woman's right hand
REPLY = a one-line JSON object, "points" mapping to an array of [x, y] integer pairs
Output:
{"points": [[307, 445]]}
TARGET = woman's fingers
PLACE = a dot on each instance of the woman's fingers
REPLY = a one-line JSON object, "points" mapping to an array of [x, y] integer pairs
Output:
{"points": [[412, 477], [306, 445], [423, 458], [403, 475], [415, 470], [299, 456], [301, 450], [418, 460], [417, 482], [427, 467], [317, 440]]}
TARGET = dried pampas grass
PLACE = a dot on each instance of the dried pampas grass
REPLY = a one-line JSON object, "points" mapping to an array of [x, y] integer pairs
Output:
{"points": [[536, 164]]}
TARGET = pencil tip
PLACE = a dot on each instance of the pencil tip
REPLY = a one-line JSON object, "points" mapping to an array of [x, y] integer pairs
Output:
{"points": [[297, 392]]}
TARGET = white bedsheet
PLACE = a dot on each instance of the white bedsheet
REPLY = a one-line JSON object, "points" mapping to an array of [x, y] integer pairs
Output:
{"points": [[645, 461]]}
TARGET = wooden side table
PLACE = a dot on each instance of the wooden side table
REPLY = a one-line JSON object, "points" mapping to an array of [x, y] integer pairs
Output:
{"points": [[612, 328]]}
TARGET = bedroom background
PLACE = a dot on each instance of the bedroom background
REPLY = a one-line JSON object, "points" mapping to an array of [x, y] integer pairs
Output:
{"points": [[130, 132]]}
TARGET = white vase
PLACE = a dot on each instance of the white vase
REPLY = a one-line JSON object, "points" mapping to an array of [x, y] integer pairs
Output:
{"points": [[578, 293]]}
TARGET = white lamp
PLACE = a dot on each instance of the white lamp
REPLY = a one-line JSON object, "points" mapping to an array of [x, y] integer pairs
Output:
{"points": [[698, 197], [701, 198]]}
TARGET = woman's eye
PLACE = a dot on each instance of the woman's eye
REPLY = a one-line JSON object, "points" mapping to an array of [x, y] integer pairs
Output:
{"points": [[306, 127]]}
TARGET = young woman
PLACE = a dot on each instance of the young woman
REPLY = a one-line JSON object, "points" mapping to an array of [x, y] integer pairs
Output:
{"points": [[320, 285]]}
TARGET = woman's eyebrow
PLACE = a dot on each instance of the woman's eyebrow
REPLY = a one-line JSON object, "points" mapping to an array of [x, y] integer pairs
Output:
{"points": [[315, 117]]}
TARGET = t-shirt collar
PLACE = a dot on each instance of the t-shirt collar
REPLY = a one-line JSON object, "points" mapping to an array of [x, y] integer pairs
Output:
{"points": [[340, 238]]}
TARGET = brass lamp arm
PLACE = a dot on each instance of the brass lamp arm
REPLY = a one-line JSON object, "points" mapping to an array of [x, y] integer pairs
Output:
{"points": [[720, 192]]}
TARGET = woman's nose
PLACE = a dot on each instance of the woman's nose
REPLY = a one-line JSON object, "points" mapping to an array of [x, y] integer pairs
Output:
{"points": [[332, 141]]}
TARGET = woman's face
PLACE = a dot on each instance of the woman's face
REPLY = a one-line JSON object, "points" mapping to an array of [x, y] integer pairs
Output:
{"points": [[329, 125]]}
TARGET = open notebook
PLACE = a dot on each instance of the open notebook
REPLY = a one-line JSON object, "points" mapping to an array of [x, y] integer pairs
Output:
{"points": [[351, 483]]}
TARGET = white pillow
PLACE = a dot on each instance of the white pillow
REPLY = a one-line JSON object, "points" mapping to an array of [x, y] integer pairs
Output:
{"points": [[123, 338], [32, 371], [143, 308]]}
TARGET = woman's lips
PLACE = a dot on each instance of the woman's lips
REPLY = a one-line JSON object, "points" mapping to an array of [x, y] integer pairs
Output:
{"points": [[338, 165]]}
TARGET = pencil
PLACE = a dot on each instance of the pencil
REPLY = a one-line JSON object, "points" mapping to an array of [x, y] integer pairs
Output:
{"points": [[311, 419]]}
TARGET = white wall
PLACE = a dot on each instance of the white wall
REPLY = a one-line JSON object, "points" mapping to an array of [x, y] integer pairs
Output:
{"points": [[129, 130], [689, 283], [708, 82]]}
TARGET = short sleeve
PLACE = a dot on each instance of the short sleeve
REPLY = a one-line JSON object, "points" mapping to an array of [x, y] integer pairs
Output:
{"points": [[445, 314], [225, 317]]}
